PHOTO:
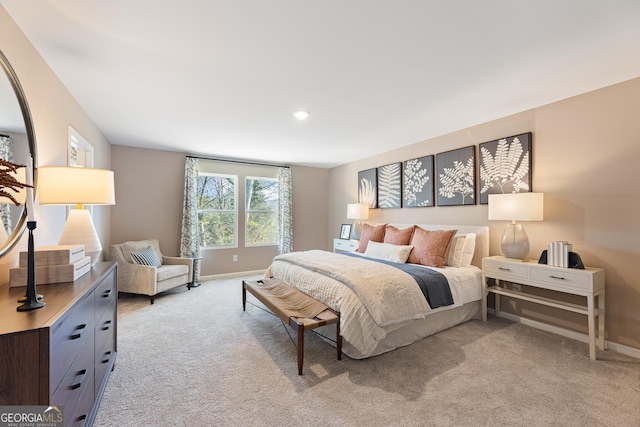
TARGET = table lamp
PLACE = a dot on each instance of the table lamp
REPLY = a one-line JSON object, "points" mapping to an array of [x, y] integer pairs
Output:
{"points": [[67, 185], [356, 212], [515, 207]]}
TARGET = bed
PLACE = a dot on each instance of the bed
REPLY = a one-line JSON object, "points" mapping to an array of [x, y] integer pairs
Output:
{"points": [[380, 305]]}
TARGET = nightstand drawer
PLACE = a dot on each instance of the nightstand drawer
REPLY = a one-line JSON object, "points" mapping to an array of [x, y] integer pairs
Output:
{"points": [[561, 277], [506, 269], [345, 245]]}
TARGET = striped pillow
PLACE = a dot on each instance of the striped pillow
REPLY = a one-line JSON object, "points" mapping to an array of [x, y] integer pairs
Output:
{"points": [[146, 257]]}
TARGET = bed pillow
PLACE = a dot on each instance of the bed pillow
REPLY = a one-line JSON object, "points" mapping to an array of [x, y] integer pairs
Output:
{"points": [[146, 257], [462, 249], [430, 248], [369, 232], [388, 251], [397, 236]]}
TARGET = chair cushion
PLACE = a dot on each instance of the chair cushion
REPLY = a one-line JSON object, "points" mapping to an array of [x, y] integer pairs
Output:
{"points": [[146, 257], [169, 271]]}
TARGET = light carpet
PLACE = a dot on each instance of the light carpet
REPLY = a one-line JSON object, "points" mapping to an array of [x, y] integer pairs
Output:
{"points": [[194, 358]]}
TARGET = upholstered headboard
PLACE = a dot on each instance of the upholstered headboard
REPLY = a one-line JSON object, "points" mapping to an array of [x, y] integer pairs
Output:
{"points": [[482, 237]]}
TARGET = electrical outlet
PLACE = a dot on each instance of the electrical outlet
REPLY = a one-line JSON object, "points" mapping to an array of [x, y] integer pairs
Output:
{"points": [[235, 258], [516, 287]]}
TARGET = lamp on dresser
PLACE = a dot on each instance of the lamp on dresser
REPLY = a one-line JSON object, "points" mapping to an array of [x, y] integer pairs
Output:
{"points": [[356, 212], [70, 185], [515, 207]]}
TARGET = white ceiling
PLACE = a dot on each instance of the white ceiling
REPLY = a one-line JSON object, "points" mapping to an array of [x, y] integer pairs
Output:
{"points": [[223, 77]]}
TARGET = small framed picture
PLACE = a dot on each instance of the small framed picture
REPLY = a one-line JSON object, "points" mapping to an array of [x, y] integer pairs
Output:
{"points": [[345, 231]]}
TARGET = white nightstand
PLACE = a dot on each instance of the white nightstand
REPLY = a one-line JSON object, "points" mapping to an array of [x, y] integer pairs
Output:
{"points": [[342, 245], [588, 283]]}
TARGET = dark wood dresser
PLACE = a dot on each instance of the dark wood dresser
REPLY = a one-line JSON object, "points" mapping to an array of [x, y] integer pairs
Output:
{"points": [[61, 354]]}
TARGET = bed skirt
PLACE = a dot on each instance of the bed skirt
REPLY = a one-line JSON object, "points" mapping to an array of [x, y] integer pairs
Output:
{"points": [[414, 330]]}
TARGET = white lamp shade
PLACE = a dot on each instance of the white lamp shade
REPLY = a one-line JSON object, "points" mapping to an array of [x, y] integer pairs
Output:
{"points": [[357, 211], [63, 185], [516, 207]]}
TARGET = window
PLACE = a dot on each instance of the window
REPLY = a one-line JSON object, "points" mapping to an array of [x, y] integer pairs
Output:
{"points": [[261, 225], [217, 210]]}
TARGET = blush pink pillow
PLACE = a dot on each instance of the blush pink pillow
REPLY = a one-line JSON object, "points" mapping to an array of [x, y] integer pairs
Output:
{"points": [[369, 232], [397, 236], [430, 248]]}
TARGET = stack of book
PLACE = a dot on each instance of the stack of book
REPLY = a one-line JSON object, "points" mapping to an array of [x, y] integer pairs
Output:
{"points": [[54, 264], [558, 254]]}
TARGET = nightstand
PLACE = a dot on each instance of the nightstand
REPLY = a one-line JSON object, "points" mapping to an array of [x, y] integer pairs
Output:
{"points": [[343, 245], [588, 283]]}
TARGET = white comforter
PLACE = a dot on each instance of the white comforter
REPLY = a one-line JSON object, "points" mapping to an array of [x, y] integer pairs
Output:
{"points": [[372, 298]]}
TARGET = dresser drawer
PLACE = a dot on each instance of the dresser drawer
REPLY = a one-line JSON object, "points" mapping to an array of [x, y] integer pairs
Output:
{"points": [[561, 277], [105, 294], [81, 415], [68, 336], [507, 270], [104, 361], [77, 381]]}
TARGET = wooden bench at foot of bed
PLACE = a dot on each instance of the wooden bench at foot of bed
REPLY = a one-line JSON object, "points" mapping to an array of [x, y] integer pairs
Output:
{"points": [[297, 309]]}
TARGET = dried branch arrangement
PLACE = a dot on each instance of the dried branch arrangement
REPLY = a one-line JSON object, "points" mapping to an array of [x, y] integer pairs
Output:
{"points": [[8, 180]]}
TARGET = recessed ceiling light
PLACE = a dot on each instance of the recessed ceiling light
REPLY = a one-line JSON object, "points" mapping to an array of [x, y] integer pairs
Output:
{"points": [[301, 115]]}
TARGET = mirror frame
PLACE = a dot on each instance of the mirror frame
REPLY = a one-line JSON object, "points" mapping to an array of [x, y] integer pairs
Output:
{"points": [[31, 138]]}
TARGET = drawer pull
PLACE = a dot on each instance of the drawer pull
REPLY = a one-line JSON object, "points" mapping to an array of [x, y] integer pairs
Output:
{"points": [[108, 354], [557, 277], [504, 269], [106, 325], [82, 374], [79, 330], [106, 293]]}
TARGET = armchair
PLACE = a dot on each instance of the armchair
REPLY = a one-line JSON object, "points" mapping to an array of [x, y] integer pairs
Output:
{"points": [[146, 279]]}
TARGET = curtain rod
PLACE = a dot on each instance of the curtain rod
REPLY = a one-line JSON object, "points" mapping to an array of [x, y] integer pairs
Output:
{"points": [[247, 162]]}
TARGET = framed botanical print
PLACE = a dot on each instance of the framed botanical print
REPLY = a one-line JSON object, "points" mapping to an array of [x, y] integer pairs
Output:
{"points": [[368, 187], [390, 186], [505, 166], [456, 177], [418, 182]]}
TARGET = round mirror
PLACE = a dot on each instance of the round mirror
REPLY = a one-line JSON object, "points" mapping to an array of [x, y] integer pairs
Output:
{"points": [[17, 143]]}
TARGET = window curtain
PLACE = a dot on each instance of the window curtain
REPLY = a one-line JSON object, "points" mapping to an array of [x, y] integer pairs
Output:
{"points": [[189, 246], [285, 214], [6, 153]]}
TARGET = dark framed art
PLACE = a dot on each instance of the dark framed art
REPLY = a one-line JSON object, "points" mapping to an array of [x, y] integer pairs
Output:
{"points": [[418, 182], [456, 177], [345, 231], [367, 187], [505, 166], [390, 186]]}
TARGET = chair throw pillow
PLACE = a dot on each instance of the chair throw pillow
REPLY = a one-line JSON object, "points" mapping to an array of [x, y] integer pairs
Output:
{"points": [[146, 257]]}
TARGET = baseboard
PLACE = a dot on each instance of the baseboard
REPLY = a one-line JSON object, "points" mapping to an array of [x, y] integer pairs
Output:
{"points": [[231, 275], [618, 348]]}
